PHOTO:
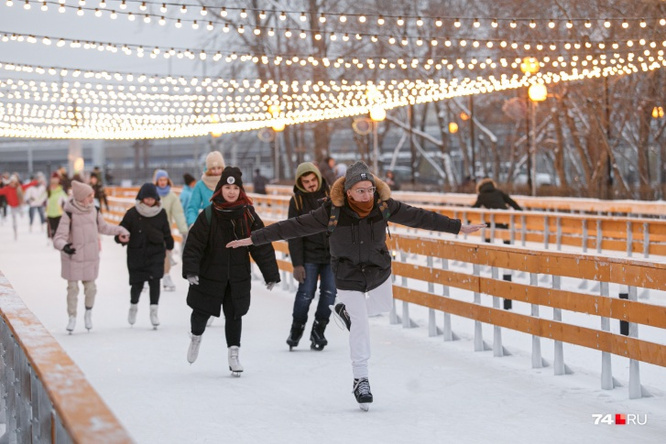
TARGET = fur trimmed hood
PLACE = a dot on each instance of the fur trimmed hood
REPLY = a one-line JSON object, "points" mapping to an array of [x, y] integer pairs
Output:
{"points": [[338, 191], [486, 184]]}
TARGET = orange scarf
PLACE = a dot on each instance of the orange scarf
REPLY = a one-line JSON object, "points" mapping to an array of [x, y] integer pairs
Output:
{"points": [[361, 208]]}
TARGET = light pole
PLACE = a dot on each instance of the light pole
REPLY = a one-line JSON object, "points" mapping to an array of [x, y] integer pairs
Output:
{"points": [[377, 114], [537, 92], [529, 66]]}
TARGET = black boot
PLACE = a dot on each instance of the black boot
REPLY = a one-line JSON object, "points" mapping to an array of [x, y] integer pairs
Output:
{"points": [[295, 334], [317, 335]]}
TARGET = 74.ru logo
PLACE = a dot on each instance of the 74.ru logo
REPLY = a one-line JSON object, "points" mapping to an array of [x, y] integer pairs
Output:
{"points": [[620, 418]]}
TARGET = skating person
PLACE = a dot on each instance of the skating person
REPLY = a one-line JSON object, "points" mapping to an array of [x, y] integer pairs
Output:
{"points": [[356, 218], [78, 240], [101, 201], [189, 183], [54, 205], [36, 197], [259, 182], [14, 193], [150, 238], [175, 214], [203, 190], [219, 277], [311, 259]]}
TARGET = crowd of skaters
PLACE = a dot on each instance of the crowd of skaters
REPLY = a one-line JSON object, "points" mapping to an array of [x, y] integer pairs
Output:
{"points": [[332, 212]]}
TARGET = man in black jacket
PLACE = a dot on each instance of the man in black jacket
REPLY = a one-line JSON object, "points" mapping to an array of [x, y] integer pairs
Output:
{"points": [[356, 218], [311, 259]]}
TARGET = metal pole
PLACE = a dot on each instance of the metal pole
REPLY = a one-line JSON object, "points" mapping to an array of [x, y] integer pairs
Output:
{"points": [[375, 149], [471, 136], [533, 148]]}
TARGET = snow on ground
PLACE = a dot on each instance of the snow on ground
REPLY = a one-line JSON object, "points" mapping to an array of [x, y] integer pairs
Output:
{"points": [[426, 390]]}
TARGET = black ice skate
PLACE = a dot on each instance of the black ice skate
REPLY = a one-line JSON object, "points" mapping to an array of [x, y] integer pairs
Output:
{"points": [[362, 393], [317, 336], [339, 311], [295, 335]]}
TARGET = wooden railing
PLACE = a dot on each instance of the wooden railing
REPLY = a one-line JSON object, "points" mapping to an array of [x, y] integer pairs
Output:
{"points": [[46, 397]]}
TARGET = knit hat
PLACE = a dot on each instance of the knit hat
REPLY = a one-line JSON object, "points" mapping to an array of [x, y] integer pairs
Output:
{"points": [[230, 176], [214, 159], [81, 190], [159, 174], [356, 173], [147, 190], [188, 178], [306, 168]]}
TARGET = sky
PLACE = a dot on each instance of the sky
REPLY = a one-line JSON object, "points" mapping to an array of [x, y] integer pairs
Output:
{"points": [[425, 389]]}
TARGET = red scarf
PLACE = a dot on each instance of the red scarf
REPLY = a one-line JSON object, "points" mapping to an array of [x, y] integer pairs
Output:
{"points": [[361, 208]]}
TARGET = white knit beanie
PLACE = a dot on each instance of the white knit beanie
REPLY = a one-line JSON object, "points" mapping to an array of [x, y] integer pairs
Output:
{"points": [[214, 159]]}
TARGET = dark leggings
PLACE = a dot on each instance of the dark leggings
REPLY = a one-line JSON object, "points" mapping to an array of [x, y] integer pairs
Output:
{"points": [[136, 288], [53, 226], [232, 326]]}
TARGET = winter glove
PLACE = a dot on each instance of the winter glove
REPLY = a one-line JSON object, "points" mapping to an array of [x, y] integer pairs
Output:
{"points": [[193, 279], [270, 285], [299, 273], [67, 249]]}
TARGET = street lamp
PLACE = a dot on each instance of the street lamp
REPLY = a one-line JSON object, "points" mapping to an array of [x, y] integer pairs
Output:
{"points": [[377, 114], [529, 66], [537, 92]]}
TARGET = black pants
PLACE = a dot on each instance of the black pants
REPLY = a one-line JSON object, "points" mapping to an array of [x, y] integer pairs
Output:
{"points": [[135, 291], [232, 326], [53, 226]]}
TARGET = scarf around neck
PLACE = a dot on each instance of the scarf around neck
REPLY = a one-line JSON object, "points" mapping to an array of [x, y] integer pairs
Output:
{"points": [[81, 207], [163, 191], [210, 181], [147, 211], [361, 208], [237, 213]]}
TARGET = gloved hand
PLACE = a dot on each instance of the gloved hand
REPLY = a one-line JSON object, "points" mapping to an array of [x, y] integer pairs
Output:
{"points": [[67, 249], [270, 285], [193, 279], [299, 273]]}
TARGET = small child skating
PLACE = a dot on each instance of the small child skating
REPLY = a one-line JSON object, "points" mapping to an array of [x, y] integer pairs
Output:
{"points": [[150, 238], [220, 277], [78, 240]]}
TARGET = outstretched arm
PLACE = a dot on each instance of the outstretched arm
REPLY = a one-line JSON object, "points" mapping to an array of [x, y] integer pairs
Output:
{"points": [[471, 228]]}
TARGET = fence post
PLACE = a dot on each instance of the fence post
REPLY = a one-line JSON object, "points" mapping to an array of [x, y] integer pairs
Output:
{"points": [[498, 350], [636, 390], [559, 367], [558, 236], [630, 240], [479, 345], [599, 236], [432, 315], [448, 331], [646, 240], [607, 382], [546, 232], [492, 227], [585, 235], [537, 360], [523, 230], [512, 225]]}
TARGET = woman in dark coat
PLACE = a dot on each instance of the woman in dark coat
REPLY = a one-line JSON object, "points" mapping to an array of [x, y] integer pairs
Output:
{"points": [[150, 237], [492, 197], [220, 277]]}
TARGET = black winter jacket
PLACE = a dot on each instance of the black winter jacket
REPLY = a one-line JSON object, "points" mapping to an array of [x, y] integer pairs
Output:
{"points": [[150, 237], [492, 198], [359, 256], [222, 269], [308, 249]]}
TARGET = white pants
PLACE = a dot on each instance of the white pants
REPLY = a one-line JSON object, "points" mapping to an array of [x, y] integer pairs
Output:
{"points": [[89, 290], [359, 307]]}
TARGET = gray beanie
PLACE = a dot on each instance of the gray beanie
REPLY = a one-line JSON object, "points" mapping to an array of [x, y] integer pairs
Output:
{"points": [[356, 173]]}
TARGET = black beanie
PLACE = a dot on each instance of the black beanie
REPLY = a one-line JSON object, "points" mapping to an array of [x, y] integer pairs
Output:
{"points": [[230, 176], [148, 190]]}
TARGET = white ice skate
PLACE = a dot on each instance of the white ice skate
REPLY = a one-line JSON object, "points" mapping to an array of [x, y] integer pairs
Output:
{"points": [[131, 317], [71, 324], [87, 318], [153, 316], [234, 364], [168, 284], [193, 350]]}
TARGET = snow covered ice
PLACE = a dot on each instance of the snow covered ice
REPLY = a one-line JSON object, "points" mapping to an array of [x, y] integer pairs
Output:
{"points": [[425, 390]]}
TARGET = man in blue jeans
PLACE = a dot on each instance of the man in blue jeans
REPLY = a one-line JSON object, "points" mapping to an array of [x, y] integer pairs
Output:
{"points": [[311, 259]]}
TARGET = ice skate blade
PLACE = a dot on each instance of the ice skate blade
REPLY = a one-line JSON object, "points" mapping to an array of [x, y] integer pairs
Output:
{"points": [[317, 347], [70, 332], [236, 374], [364, 406]]}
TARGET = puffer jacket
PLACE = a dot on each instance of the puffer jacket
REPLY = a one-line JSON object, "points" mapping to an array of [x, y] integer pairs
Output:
{"points": [[150, 237], [199, 200], [492, 198], [83, 235], [221, 269], [359, 256], [308, 249]]}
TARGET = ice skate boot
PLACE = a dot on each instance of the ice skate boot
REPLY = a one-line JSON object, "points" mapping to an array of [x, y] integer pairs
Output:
{"points": [[295, 335], [71, 324], [167, 283], [317, 335], [340, 314], [362, 393], [153, 316], [87, 318], [193, 351], [234, 364], [131, 317]]}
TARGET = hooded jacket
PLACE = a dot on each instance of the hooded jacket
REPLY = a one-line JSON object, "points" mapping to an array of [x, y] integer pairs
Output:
{"points": [[359, 256], [492, 198], [308, 249]]}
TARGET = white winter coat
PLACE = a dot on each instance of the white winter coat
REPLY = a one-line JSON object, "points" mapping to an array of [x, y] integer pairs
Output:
{"points": [[85, 226]]}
